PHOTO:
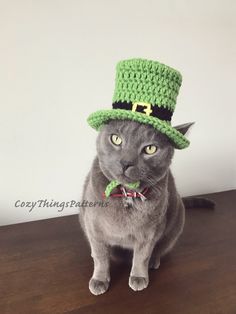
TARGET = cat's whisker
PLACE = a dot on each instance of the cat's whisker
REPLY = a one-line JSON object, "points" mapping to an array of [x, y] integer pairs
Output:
{"points": [[153, 184]]}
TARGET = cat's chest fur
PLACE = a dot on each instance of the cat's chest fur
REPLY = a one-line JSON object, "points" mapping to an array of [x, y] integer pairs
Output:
{"points": [[122, 226], [117, 224]]}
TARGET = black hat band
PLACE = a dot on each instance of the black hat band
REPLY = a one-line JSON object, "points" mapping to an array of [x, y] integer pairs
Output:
{"points": [[146, 108]]}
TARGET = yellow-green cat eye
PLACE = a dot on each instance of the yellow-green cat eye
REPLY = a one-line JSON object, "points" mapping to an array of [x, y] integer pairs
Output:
{"points": [[116, 139], [150, 149]]}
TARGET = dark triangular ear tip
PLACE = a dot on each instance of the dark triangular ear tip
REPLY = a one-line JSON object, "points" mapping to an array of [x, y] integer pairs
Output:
{"points": [[183, 128], [191, 123], [184, 125]]}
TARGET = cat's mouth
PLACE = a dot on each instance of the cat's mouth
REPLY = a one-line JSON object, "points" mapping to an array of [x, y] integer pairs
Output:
{"points": [[124, 179]]}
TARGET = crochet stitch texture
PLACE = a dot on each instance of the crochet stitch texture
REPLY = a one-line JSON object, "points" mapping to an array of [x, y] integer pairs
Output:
{"points": [[113, 184], [151, 83], [147, 81]]}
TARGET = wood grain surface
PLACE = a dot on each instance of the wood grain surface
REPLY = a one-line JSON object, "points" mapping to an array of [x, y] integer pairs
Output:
{"points": [[45, 267]]}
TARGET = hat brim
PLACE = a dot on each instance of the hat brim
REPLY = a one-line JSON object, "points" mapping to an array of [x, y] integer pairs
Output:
{"points": [[97, 119]]}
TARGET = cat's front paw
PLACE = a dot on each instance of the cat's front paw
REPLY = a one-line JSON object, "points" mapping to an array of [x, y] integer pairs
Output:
{"points": [[138, 283], [97, 287]]}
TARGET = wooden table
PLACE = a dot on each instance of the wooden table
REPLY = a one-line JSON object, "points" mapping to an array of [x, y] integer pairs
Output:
{"points": [[46, 265]]}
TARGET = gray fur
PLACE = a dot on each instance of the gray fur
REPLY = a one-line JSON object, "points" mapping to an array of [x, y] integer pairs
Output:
{"points": [[150, 228]]}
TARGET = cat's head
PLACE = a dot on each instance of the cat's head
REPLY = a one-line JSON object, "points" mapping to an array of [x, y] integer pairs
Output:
{"points": [[129, 151]]}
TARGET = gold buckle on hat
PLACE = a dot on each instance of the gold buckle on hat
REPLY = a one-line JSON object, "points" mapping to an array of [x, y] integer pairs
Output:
{"points": [[147, 110]]}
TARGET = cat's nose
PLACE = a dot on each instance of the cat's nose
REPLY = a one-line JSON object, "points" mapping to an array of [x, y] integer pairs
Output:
{"points": [[125, 164]]}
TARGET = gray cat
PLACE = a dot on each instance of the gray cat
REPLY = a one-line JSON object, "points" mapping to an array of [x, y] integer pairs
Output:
{"points": [[148, 225]]}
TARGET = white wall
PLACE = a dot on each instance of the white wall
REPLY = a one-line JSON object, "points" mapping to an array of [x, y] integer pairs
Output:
{"points": [[57, 61]]}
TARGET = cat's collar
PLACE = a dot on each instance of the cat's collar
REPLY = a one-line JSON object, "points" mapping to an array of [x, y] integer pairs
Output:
{"points": [[129, 193]]}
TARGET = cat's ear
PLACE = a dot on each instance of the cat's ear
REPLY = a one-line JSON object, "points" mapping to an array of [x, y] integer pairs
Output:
{"points": [[183, 128]]}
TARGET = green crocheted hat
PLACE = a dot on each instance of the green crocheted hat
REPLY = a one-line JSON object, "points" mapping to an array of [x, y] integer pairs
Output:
{"points": [[146, 92]]}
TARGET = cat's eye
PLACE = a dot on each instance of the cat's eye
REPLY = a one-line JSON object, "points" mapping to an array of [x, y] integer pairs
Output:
{"points": [[116, 139], [150, 149]]}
